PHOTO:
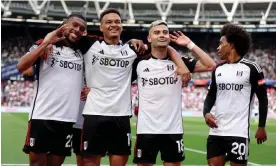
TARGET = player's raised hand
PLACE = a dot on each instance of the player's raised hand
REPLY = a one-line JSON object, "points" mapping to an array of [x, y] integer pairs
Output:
{"points": [[179, 38], [84, 93], [52, 38], [56, 35], [185, 75], [210, 120], [138, 45], [261, 135]]}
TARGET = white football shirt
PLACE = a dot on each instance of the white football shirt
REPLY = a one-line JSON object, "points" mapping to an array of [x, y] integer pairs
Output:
{"points": [[160, 97], [108, 71], [234, 86], [59, 81]]}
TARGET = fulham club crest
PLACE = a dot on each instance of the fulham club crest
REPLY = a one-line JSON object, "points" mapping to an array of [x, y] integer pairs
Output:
{"points": [[239, 73], [32, 142], [139, 153]]}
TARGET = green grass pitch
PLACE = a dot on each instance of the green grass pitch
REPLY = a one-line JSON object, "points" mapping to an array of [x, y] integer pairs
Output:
{"points": [[14, 127]]}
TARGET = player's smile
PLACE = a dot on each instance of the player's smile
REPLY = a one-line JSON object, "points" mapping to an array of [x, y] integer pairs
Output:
{"points": [[163, 40]]}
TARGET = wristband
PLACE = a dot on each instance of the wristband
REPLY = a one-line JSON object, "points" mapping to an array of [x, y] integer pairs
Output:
{"points": [[191, 45]]}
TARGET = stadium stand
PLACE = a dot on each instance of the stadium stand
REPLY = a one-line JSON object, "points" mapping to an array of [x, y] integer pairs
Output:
{"points": [[24, 22]]}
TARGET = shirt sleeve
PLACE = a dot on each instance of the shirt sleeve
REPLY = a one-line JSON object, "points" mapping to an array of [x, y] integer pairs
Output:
{"points": [[36, 65], [189, 62], [134, 69], [259, 88], [211, 96]]}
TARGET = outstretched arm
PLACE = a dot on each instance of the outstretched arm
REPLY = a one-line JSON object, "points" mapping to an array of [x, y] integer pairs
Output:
{"points": [[205, 63]]}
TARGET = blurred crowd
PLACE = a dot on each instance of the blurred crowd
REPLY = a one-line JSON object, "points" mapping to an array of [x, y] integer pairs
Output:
{"points": [[17, 93], [15, 47]]}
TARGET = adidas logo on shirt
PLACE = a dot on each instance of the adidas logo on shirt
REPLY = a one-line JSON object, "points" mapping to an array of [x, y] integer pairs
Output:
{"points": [[146, 70], [101, 52]]}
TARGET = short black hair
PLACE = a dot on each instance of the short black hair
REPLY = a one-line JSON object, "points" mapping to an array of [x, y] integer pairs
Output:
{"points": [[71, 16], [108, 11], [237, 36], [76, 15]]}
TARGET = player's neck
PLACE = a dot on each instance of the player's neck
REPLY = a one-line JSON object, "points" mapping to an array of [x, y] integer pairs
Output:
{"points": [[66, 43], [233, 57], [159, 53], [112, 41]]}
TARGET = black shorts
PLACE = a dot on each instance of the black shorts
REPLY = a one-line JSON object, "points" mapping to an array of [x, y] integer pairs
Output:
{"points": [[236, 148], [48, 136], [76, 140], [106, 135], [148, 145]]}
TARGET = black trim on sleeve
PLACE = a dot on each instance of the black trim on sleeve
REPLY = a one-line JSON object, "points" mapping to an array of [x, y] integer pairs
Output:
{"points": [[259, 87], [134, 69], [135, 64], [211, 96], [189, 62], [36, 70]]}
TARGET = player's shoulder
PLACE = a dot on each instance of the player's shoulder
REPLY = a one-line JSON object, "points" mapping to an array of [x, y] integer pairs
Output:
{"points": [[129, 47], [144, 60], [252, 65], [219, 65], [35, 45], [38, 42]]}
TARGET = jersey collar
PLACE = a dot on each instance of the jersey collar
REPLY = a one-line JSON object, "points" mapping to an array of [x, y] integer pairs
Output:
{"points": [[118, 44], [237, 60], [166, 58]]}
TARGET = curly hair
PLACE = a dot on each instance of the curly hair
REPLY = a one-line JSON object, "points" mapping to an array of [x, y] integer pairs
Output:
{"points": [[237, 36]]}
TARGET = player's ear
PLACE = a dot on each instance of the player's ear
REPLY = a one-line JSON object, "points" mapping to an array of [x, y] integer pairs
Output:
{"points": [[149, 39], [101, 28], [232, 46], [84, 33]]}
